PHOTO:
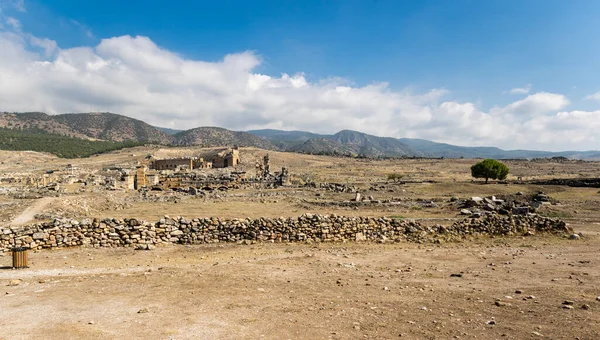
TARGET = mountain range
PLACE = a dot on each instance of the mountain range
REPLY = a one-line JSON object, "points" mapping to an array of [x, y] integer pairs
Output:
{"points": [[118, 128]]}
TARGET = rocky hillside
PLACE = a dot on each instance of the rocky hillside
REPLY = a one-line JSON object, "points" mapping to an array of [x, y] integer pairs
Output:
{"points": [[345, 142], [102, 126], [113, 127], [322, 146], [117, 128], [372, 146], [214, 136], [348, 142], [36, 121], [287, 140]]}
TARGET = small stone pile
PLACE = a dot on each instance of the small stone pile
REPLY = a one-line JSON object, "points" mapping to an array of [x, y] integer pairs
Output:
{"points": [[306, 228], [335, 187], [518, 204]]}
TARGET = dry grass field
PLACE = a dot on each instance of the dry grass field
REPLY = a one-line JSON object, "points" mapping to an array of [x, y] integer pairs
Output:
{"points": [[508, 288]]}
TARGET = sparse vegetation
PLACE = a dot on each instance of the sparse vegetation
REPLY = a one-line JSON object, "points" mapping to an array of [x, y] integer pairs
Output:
{"points": [[394, 176], [489, 168], [59, 145]]}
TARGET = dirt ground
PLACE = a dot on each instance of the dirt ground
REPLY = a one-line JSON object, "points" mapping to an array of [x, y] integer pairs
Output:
{"points": [[301, 291], [426, 179], [499, 288]]}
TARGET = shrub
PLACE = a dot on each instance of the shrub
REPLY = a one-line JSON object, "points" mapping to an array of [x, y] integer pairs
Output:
{"points": [[489, 168], [394, 176]]}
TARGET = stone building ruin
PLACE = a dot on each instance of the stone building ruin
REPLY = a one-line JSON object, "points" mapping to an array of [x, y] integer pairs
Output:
{"points": [[224, 159], [181, 163], [228, 158]]}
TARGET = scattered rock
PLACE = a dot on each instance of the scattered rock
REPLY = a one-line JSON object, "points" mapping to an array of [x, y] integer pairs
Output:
{"points": [[518, 291], [585, 306], [568, 303], [456, 275], [13, 283], [143, 310], [502, 303], [567, 307], [491, 322]]}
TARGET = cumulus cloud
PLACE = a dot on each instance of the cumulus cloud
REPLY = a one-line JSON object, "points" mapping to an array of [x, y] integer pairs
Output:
{"points": [[133, 76], [535, 104], [521, 90], [593, 96]]}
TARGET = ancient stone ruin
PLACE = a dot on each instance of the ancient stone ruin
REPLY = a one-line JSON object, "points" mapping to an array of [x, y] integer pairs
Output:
{"points": [[306, 228]]}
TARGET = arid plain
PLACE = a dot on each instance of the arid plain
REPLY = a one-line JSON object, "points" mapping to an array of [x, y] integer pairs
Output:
{"points": [[540, 286]]}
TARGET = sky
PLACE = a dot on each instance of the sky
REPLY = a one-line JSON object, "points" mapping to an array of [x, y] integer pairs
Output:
{"points": [[507, 73]]}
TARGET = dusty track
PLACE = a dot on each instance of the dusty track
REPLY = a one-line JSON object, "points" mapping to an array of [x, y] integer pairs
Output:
{"points": [[29, 213]]}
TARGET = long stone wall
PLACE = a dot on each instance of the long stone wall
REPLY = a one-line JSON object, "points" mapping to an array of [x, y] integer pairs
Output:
{"points": [[306, 228]]}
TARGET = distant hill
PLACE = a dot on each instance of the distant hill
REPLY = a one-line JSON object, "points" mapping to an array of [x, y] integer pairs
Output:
{"points": [[113, 127], [287, 139], [168, 131], [37, 121], [59, 145], [372, 146], [323, 146], [349, 142], [103, 126], [215, 136], [290, 140], [345, 142]]}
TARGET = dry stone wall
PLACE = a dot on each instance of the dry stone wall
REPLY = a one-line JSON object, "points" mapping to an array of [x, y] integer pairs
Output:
{"points": [[306, 228]]}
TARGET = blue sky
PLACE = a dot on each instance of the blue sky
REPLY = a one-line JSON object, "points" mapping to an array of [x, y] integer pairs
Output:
{"points": [[476, 48], [475, 51]]}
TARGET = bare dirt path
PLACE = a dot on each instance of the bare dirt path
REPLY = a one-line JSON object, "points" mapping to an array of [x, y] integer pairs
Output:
{"points": [[29, 213]]}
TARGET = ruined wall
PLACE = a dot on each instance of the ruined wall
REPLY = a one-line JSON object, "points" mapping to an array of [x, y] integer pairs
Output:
{"points": [[171, 164], [226, 159], [308, 227]]}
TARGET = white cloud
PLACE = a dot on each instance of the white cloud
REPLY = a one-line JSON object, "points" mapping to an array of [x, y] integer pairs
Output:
{"points": [[14, 23], [535, 104], [82, 27], [19, 5], [49, 46], [593, 96], [135, 77], [521, 90]]}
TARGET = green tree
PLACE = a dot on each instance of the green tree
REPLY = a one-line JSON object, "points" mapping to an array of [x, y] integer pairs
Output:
{"points": [[489, 168]]}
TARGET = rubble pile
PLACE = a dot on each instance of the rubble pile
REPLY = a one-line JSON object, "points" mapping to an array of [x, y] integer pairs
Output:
{"points": [[518, 204], [306, 228], [335, 187]]}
